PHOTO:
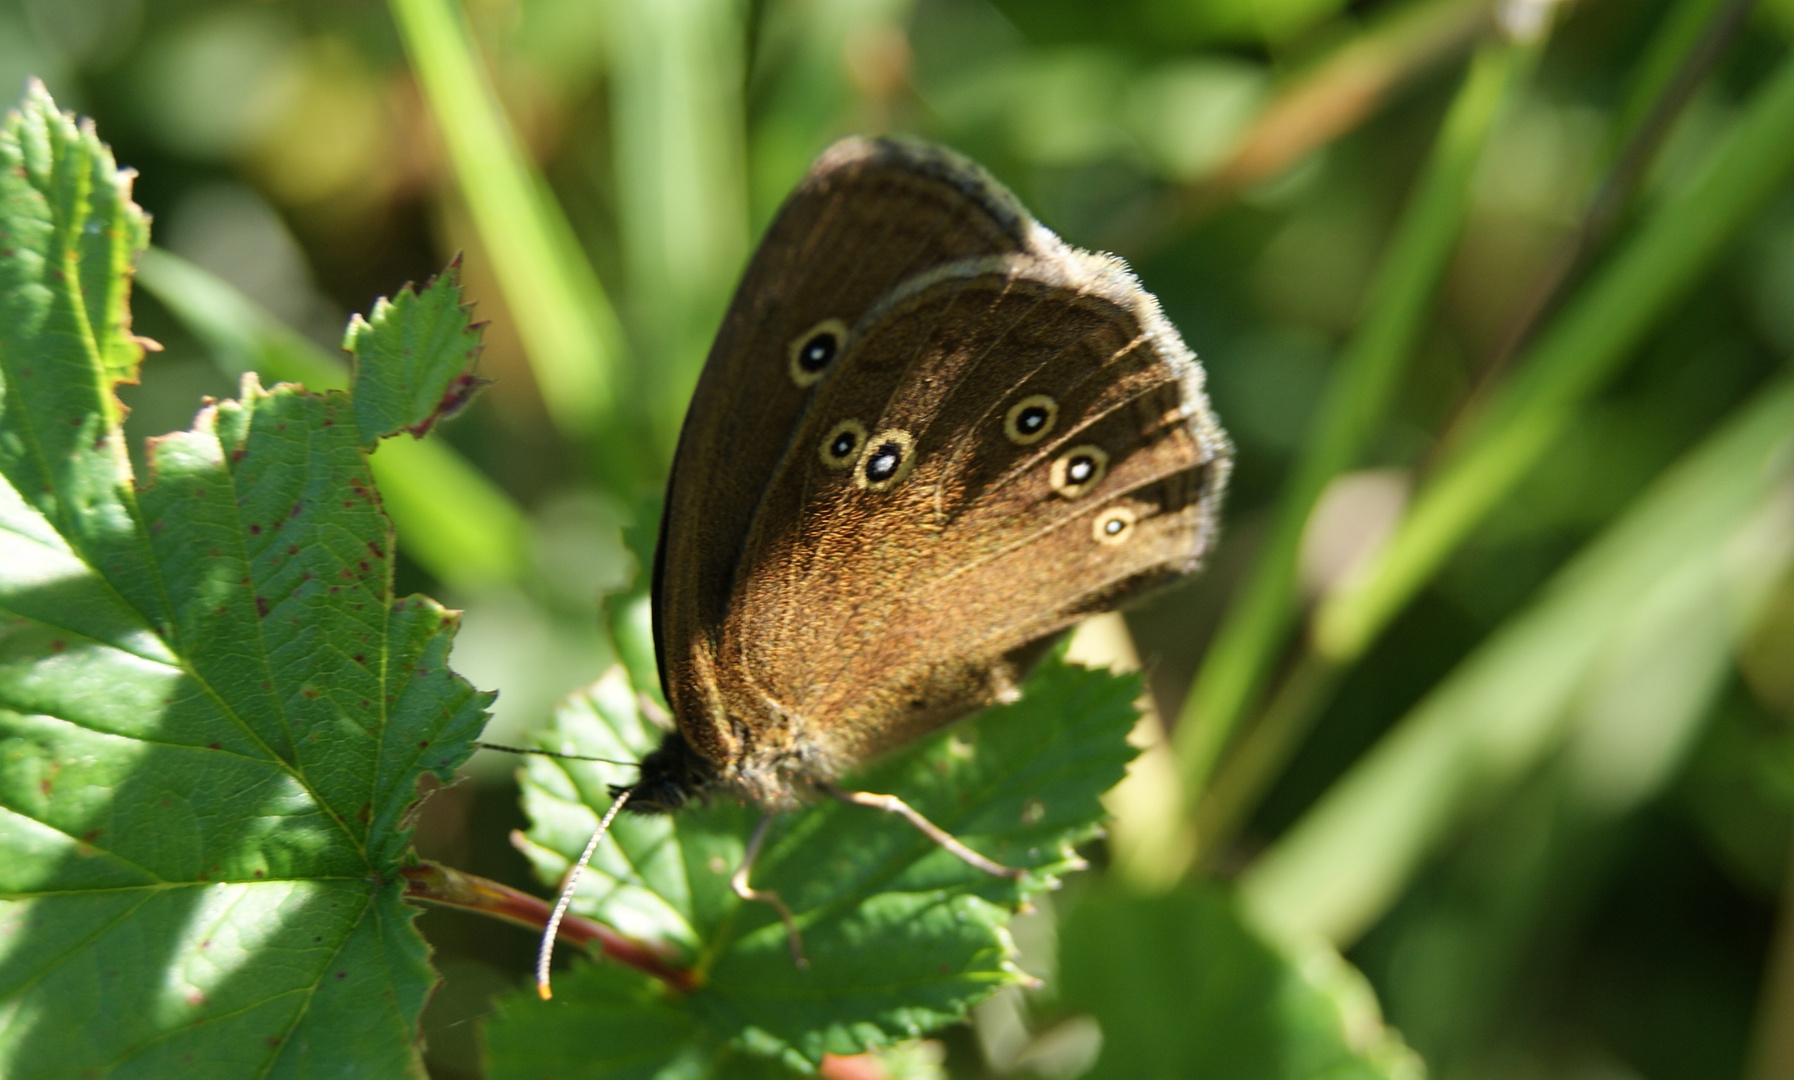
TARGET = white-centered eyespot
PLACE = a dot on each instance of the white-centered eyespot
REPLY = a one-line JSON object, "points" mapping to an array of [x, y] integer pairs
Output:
{"points": [[888, 458], [814, 350], [1079, 469], [1114, 525], [1029, 420], [842, 444]]}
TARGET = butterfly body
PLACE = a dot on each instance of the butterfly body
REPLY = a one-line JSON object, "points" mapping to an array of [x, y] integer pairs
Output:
{"points": [[929, 437]]}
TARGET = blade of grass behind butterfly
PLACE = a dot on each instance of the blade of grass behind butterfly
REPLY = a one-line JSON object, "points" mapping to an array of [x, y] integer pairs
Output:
{"points": [[1358, 395], [576, 345], [1254, 763], [820, 70], [457, 524], [1578, 353], [1682, 572], [676, 111]]}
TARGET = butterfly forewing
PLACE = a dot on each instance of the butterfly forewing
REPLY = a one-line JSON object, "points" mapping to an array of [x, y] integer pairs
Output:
{"points": [[869, 215]]}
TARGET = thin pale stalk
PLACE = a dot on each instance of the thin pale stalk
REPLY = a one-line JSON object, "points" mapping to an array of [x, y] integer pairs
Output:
{"points": [[1643, 136], [1341, 91], [1577, 354], [1358, 395], [575, 344], [679, 122]]}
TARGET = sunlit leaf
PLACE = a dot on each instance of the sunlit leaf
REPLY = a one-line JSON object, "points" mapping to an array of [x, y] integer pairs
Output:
{"points": [[901, 936], [214, 711]]}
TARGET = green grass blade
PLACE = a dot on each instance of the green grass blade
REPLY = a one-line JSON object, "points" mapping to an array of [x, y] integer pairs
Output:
{"points": [[1574, 357], [575, 343], [457, 524], [1685, 566], [1358, 396], [676, 82]]}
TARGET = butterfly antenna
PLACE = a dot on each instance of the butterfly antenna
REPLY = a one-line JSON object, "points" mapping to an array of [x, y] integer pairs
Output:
{"points": [[545, 952], [552, 754]]}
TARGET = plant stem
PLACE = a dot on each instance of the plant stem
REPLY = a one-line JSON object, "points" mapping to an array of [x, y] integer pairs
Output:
{"points": [[575, 343], [434, 883]]}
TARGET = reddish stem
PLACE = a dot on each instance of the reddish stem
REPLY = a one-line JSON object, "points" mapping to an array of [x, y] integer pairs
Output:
{"points": [[434, 883]]}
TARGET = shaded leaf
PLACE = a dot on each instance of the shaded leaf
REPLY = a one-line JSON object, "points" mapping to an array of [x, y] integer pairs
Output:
{"points": [[1183, 987]]}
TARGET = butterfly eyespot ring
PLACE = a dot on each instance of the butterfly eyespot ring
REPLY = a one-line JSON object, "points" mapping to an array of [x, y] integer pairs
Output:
{"points": [[1113, 526], [841, 446], [1078, 470], [888, 458], [1029, 420], [815, 350]]}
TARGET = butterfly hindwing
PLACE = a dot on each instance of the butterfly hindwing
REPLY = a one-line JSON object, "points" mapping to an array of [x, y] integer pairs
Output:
{"points": [[870, 607]]}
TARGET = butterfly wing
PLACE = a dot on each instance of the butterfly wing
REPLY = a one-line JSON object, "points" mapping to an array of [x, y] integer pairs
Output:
{"points": [[869, 215], [1034, 445]]}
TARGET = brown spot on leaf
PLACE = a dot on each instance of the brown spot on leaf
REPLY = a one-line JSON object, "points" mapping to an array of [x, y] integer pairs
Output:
{"points": [[57, 645], [261, 606]]}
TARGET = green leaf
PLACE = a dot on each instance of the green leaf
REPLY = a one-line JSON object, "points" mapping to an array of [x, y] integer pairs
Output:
{"points": [[1183, 987], [412, 359], [214, 712], [460, 526], [901, 936]]}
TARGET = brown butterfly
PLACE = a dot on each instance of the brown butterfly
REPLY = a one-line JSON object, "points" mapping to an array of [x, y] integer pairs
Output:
{"points": [[929, 437]]}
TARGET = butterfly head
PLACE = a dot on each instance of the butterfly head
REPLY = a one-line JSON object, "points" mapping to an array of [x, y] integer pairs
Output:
{"points": [[672, 775]]}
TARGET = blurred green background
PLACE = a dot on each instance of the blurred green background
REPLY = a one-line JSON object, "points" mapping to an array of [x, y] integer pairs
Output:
{"points": [[1510, 284]]}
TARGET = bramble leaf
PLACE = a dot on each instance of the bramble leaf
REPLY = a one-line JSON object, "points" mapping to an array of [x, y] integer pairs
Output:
{"points": [[412, 358], [214, 712], [901, 936]]}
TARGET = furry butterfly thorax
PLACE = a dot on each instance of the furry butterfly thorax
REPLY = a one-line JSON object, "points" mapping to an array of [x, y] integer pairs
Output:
{"points": [[929, 437]]}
